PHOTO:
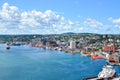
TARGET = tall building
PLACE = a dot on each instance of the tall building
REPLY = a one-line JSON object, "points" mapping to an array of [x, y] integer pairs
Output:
{"points": [[72, 45]]}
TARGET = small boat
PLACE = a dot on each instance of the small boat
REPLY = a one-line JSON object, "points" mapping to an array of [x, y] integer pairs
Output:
{"points": [[95, 56], [39, 46], [16, 44], [83, 53], [111, 60], [31, 44], [59, 49], [7, 47], [113, 63]]}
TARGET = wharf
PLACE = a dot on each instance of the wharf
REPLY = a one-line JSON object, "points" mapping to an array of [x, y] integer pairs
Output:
{"points": [[103, 55], [95, 78], [117, 78], [91, 78]]}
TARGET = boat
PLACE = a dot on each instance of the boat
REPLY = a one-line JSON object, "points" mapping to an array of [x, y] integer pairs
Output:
{"points": [[31, 44], [15, 44], [107, 72], [60, 49], [7, 47], [83, 53], [95, 56], [112, 62], [39, 46]]}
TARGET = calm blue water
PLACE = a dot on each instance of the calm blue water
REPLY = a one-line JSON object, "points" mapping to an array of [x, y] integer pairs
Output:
{"points": [[28, 63]]}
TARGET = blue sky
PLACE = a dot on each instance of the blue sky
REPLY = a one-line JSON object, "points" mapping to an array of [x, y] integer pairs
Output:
{"points": [[59, 16]]}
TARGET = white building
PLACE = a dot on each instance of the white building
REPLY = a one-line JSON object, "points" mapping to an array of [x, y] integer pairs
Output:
{"points": [[72, 45]]}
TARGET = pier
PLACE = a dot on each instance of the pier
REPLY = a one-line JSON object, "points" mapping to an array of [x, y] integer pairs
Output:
{"points": [[95, 78]]}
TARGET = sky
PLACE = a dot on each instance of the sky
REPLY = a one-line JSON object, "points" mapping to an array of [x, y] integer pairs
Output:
{"points": [[59, 16]]}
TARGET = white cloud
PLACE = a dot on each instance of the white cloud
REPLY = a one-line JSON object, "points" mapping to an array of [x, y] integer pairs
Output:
{"points": [[95, 26], [115, 24], [80, 29], [93, 23], [15, 22], [116, 21], [9, 12]]}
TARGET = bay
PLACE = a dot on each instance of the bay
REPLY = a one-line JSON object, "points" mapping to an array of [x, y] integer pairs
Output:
{"points": [[30, 63]]}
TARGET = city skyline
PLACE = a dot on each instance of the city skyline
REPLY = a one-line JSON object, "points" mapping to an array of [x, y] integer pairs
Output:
{"points": [[56, 17]]}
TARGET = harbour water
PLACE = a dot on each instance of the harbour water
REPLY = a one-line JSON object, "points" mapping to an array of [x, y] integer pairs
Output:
{"points": [[30, 63]]}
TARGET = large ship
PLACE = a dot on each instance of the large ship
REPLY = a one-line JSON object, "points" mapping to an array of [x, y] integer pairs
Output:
{"points": [[107, 73]]}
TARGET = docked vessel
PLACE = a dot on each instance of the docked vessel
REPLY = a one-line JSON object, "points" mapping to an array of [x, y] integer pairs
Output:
{"points": [[83, 53], [7, 47], [95, 56], [107, 72]]}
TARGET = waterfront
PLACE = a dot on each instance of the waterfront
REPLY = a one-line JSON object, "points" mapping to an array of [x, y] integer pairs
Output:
{"points": [[31, 63]]}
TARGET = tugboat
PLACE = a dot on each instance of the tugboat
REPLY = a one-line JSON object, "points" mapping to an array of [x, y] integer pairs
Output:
{"points": [[107, 72]]}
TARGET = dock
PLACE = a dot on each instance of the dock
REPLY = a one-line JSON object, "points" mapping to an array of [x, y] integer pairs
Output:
{"points": [[96, 78], [91, 78], [117, 78]]}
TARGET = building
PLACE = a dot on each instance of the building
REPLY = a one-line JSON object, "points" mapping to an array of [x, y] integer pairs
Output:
{"points": [[109, 48], [72, 45]]}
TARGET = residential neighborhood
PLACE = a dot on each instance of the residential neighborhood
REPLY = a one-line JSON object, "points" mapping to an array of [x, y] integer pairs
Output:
{"points": [[97, 46]]}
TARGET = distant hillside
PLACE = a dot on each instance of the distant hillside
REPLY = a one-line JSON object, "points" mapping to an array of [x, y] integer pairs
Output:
{"points": [[69, 33]]}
